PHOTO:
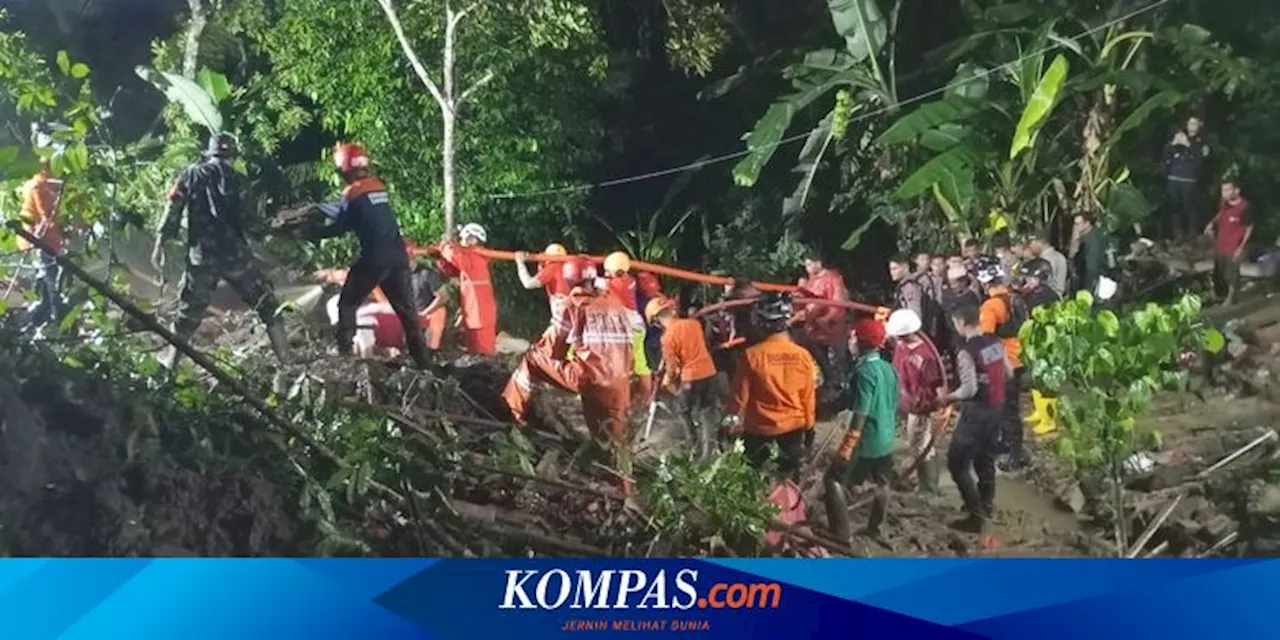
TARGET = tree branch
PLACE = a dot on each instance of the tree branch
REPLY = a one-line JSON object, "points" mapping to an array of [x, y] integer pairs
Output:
{"points": [[455, 18], [488, 76], [414, 60]]}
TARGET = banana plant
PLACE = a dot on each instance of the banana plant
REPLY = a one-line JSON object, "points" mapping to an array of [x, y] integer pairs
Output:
{"points": [[649, 242], [861, 74]]}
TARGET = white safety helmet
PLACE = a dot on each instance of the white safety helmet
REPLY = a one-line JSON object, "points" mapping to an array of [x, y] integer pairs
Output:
{"points": [[1106, 288], [902, 322], [473, 230]]}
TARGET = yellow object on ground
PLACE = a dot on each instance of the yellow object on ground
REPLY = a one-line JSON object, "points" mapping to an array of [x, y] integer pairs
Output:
{"points": [[1044, 419]]}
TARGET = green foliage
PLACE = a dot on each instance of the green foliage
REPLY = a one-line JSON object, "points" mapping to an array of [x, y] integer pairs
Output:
{"points": [[1104, 368], [195, 101], [1039, 106], [697, 31], [726, 497]]}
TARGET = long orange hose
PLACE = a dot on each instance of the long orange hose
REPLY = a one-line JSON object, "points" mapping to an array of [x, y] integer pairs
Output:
{"points": [[657, 269]]}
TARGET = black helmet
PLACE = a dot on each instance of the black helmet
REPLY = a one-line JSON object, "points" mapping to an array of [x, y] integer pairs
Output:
{"points": [[222, 145], [772, 311], [1037, 268]]}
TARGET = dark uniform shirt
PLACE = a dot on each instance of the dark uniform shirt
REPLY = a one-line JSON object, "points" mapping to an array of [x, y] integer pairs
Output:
{"points": [[366, 209], [210, 193]]}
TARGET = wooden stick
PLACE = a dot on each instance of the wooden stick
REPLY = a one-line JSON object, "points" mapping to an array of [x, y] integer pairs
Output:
{"points": [[1271, 433], [1154, 526], [1221, 544], [1160, 548]]}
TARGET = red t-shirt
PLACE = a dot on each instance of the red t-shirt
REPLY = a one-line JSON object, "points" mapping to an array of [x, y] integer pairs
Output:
{"points": [[551, 275], [1231, 224]]}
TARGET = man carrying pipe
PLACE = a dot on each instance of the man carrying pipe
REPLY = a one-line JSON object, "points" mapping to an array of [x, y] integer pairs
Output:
{"points": [[209, 193], [825, 326], [599, 329], [773, 397], [617, 267], [479, 307], [548, 276]]}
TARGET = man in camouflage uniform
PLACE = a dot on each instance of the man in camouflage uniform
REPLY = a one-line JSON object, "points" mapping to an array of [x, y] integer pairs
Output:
{"points": [[209, 192]]}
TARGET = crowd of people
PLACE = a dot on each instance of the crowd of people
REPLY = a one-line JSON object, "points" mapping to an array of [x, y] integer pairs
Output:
{"points": [[757, 370]]}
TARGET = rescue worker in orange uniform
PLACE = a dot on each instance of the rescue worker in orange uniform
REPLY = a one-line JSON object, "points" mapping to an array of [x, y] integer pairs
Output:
{"points": [[365, 210], [599, 329], [617, 267], [548, 277], [688, 370], [479, 308], [40, 197], [826, 328], [773, 397]]}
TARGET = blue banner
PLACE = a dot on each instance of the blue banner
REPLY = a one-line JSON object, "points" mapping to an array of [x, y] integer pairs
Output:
{"points": [[738, 599]]}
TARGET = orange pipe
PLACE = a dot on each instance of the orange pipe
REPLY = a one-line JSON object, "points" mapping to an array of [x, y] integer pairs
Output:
{"points": [[658, 269], [881, 313]]}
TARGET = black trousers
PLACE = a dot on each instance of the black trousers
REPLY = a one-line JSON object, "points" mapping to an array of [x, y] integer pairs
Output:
{"points": [[1012, 436], [48, 285], [1226, 275], [973, 447], [701, 401], [397, 284], [791, 449], [1180, 210], [879, 472]]}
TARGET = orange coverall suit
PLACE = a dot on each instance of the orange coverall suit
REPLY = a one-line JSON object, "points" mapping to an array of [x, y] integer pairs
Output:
{"points": [[599, 329], [825, 324], [478, 307]]}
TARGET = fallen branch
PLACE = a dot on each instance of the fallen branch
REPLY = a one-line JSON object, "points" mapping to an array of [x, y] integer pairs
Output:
{"points": [[534, 539], [1270, 434], [798, 532], [559, 484], [1154, 526], [1226, 541], [1160, 548]]}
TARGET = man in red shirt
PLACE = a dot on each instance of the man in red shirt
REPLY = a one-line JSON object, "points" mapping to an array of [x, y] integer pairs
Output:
{"points": [[1231, 228], [919, 368], [826, 328]]}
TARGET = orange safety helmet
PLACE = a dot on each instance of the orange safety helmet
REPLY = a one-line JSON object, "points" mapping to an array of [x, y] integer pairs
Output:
{"points": [[349, 156], [656, 306], [555, 249], [616, 263]]}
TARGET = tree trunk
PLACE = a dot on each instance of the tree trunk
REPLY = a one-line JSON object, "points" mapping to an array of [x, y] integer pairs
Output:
{"points": [[449, 114], [195, 28]]}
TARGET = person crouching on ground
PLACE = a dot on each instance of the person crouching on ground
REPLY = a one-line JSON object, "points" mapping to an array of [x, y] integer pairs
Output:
{"points": [[868, 440], [688, 369], [919, 368], [599, 329], [773, 396], [982, 370]]}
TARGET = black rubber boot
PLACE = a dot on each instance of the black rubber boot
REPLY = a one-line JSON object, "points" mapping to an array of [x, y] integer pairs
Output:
{"points": [[837, 510]]}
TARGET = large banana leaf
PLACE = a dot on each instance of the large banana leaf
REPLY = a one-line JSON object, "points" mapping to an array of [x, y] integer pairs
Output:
{"points": [[945, 137], [944, 167], [1163, 100], [764, 138], [1039, 106], [861, 24], [194, 100], [955, 191], [815, 147], [951, 109]]}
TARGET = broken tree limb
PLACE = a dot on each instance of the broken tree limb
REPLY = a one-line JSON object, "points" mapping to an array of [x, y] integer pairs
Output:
{"points": [[1154, 527], [1269, 435], [802, 534], [1159, 549], [560, 484], [1225, 542]]}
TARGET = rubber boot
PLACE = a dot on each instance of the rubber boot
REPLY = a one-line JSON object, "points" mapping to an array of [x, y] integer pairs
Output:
{"points": [[927, 473], [279, 342], [837, 503], [703, 434], [1049, 421]]}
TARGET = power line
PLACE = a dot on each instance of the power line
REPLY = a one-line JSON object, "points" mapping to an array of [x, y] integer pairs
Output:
{"points": [[796, 138]]}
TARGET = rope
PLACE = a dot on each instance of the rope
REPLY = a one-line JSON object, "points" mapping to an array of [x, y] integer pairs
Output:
{"points": [[796, 138]]}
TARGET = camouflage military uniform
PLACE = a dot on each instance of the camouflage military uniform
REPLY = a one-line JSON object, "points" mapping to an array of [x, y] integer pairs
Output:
{"points": [[217, 248]]}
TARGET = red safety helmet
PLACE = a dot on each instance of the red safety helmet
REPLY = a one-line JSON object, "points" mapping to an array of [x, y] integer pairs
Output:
{"points": [[348, 157], [870, 332], [577, 269]]}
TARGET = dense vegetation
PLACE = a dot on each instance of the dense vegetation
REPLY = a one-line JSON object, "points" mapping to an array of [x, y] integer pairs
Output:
{"points": [[714, 134]]}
